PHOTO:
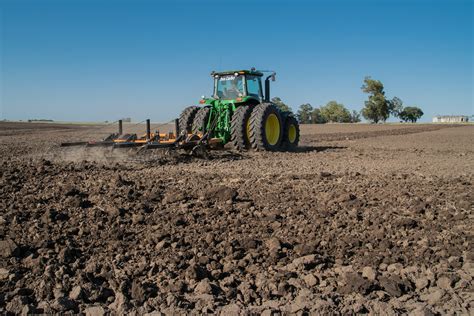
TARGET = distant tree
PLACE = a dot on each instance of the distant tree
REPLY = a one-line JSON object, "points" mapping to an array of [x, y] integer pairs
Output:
{"points": [[316, 117], [411, 113], [304, 113], [335, 112], [372, 86], [281, 105], [355, 116], [376, 108], [395, 106]]}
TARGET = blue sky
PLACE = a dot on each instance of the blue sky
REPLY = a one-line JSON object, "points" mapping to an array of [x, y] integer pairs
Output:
{"points": [[100, 60]]}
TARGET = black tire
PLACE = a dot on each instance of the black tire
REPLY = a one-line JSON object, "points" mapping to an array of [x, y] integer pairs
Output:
{"points": [[291, 133], [185, 123], [259, 139], [239, 135], [200, 121]]}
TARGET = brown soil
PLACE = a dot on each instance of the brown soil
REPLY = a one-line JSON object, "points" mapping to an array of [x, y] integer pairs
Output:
{"points": [[363, 218]]}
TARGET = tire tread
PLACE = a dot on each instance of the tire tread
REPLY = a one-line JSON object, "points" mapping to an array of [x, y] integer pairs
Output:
{"points": [[186, 118], [239, 127], [200, 120]]}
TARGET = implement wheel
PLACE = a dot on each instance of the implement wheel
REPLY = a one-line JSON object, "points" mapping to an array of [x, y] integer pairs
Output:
{"points": [[240, 127], [266, 128], [291, 133], [186, 118], [200, 121]]}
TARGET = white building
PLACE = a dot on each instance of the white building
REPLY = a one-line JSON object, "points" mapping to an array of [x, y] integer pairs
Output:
{"points": [[450, 119]]}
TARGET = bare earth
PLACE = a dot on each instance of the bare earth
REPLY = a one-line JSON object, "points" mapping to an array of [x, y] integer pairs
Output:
{"points": [[363, 218]]}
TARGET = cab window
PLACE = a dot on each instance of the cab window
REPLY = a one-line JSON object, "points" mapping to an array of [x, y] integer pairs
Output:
{"points": [[253, 86], [229, 87]]}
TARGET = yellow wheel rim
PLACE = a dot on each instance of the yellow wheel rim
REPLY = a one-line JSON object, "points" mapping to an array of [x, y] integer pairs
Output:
{"points": [[292, 133], [272, 129]]}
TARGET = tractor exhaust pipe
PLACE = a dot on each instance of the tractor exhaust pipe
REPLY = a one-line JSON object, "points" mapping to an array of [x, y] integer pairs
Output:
{"points": [[267, 89], [267, 86], [120, 131]]}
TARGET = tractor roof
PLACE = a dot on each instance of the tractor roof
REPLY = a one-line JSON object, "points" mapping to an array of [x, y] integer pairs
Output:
{"points": [[242, 72]]}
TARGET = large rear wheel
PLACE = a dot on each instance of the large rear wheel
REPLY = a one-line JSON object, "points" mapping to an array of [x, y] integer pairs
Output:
{"points": [[291, 133], [240, 127], [266, 127], [185, 123], [200, 121]]}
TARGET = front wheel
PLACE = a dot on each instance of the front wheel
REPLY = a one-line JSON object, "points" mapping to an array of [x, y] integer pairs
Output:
{"points": [[266, 127]]}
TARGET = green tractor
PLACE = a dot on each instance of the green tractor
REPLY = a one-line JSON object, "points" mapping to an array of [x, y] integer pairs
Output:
{"points": [[240, 113]]}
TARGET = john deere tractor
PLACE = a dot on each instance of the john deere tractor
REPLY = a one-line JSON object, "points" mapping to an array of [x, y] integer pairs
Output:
{"points": [[240, 113]]}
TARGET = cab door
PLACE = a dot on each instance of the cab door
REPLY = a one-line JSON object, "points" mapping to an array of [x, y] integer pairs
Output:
{"points": [[254, 87]]}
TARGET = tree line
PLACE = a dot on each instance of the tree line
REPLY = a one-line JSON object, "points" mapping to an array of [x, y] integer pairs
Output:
{"points": [[378, 108]]}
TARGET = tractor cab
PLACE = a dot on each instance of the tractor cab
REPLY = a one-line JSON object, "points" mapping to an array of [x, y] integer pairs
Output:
{"points": [[240, 85]]}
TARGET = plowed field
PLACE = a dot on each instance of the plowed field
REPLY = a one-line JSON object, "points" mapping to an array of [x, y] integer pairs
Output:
{"points": [[362, 218]]}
